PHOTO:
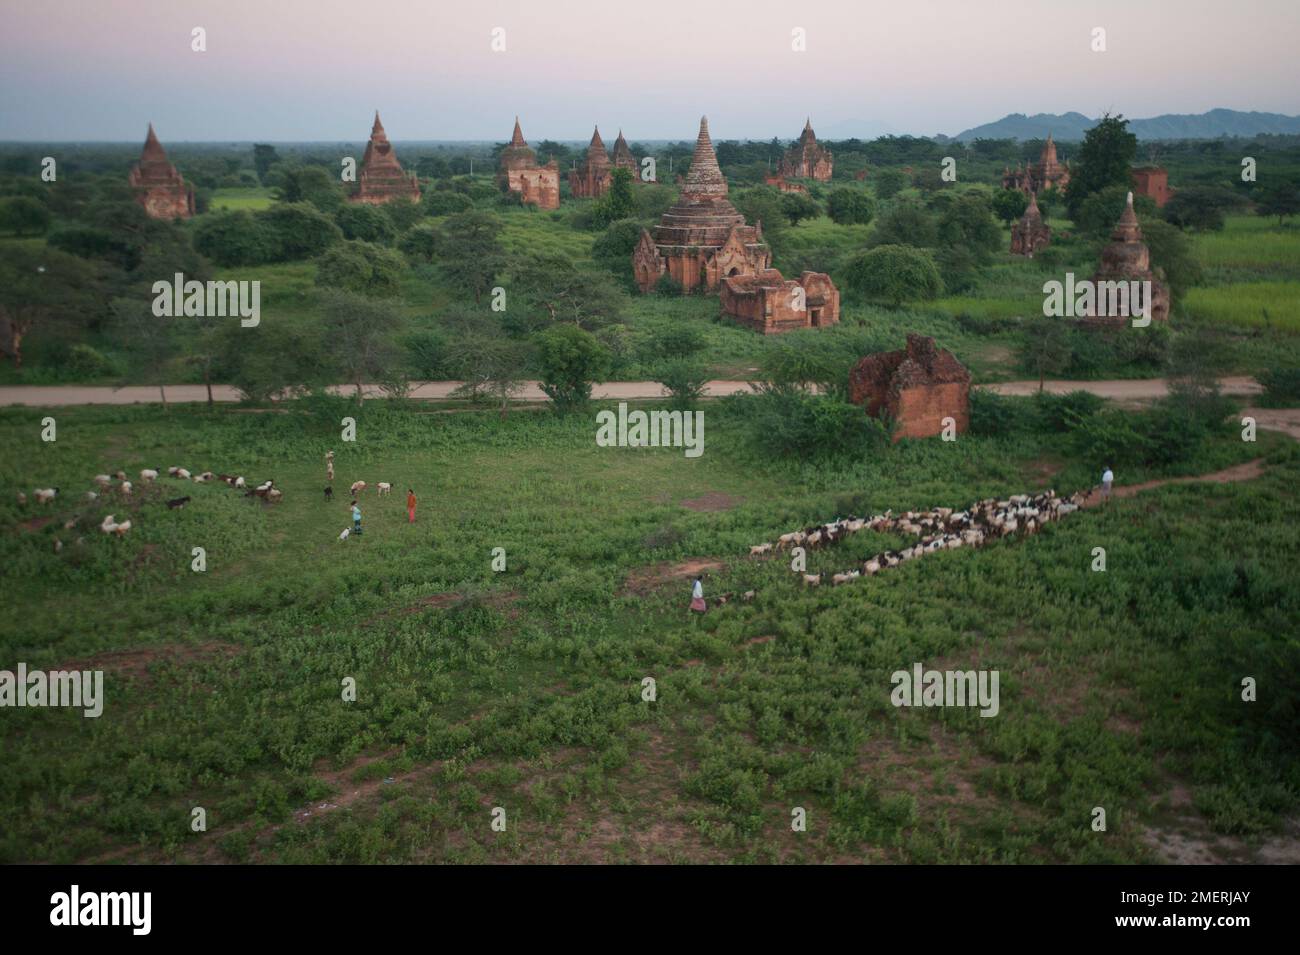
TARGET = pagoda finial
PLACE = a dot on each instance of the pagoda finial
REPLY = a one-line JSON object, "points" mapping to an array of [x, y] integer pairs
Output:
{"points": [[518, 138], [378, 128]]}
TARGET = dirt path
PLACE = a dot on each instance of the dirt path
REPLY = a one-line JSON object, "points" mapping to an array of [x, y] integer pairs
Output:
{"points": [[44, 396], [1238, 472]]}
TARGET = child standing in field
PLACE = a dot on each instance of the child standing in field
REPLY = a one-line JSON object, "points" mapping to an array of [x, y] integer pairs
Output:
{"points": [[1107, 479], [356, 518], [697, 596], [410, 505]]}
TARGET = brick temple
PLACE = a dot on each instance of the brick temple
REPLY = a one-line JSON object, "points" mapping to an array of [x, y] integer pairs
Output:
{"points": [[778, 181], [518, 171], [1031, 233], [915, 387], [1127, 259], [1152, 182], [623, 158], [768, 302], [1047, 173], [702, 238], [158, 185], [381, 178], [807, 159], [592, 178]]}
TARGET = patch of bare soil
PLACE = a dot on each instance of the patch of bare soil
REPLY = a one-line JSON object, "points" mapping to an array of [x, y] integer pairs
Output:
{"points": [[1286, 420], [35, 523], [656, 575], [1238, 472], [135, 664], [351, 791], [713, 501], [1183, 837]]}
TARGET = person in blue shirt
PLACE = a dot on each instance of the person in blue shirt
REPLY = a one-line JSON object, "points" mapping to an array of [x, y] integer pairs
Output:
{"points": [[356, 518]]}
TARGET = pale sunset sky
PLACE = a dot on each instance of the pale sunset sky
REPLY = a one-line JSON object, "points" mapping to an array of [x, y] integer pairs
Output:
{"points": [[285, 70]]}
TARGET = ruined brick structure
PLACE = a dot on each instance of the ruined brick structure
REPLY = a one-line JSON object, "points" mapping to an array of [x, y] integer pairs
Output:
{"points": [[807, 159], [1126, 259], [592, 178], [1152, 182], [769, 303], [518, 171], [158, 185], [1031, 233], [1044, 174], [623, 158], [381, 178], [915, 387], [777, 181], [701, 238]]}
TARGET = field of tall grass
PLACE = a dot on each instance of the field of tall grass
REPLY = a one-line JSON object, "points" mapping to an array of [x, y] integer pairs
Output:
{"points": [[523, 689]]}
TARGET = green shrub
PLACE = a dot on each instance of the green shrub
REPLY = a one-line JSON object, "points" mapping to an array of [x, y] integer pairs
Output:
{"points": [[1281, 386]]}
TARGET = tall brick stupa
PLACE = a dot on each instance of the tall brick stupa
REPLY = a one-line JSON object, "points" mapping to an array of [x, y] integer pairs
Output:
{"points": [[158, 184]]}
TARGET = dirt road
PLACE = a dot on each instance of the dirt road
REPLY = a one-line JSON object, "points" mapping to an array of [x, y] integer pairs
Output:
{"points": [[47, 396]]}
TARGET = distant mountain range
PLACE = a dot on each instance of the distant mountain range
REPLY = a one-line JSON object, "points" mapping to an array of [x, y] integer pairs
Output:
{"points": [[1069, 127]]}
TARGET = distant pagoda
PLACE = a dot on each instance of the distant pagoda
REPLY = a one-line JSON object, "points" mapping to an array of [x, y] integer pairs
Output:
{"points": [[1126, 259], [623, 158], [1047, 173], [1031, 233], [807, 159], [381, 178], [517, 171], [592, 179], [158, 185], [702, 237]]}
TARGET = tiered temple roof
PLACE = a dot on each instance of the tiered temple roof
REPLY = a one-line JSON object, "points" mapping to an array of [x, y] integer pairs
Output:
{"points": [[158, 185], [807, 159], [381, 178]]}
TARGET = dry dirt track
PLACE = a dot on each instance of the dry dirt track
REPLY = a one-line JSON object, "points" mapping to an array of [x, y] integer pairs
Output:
{"points": [[46, 396]]}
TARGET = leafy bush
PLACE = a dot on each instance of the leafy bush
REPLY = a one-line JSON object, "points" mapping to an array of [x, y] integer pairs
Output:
{"points": [[1064, 412], [683, 379], [894, 274], [1281, 386], [86, 362], [788, 422], [850, 207], [570, 359], [992, 415]]}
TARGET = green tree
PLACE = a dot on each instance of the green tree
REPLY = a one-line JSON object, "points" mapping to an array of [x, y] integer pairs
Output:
{"points": [[613, 248], [42, 288], [551, 288], [299, 230], [490, 364], [890, 182], [1010, 204], [618, 202], [365, 222], [762, 204], [403, 213], [571, 360], [894, 274], [234, 238], [1046, 348], [470, 251], [1172, 257], [312, 184], [966, 221], [906, 222], [1201, 208], [444, 202], [1097, 215], [22, 215], [1281, 199], [264, 157], [796, 207], [360, 267], [850, 207], [360, 337], [1105, 159]]}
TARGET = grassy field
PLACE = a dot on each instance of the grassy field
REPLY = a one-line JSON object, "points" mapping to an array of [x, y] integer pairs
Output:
{"points": [[249, 199], [522, 689]]}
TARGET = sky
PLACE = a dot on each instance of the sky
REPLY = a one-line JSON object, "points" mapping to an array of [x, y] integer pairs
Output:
{"points": [[294, 70]]}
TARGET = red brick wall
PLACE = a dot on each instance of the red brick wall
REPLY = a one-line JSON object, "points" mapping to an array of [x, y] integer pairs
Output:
{"points": [[920, 411]]}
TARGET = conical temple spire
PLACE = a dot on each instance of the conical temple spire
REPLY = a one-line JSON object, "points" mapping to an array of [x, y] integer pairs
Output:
{"points": [[1127, 228], [518, 138], [704, 178], [596, 141], [378, 128], [152, 148]]}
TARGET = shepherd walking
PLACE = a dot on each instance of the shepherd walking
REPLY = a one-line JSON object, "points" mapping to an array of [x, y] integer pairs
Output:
{"points": [[697, 596], [410, 505]]}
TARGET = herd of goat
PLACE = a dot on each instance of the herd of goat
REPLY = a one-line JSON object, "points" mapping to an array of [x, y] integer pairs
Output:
{"points": [[941, 528], [120, 487]]}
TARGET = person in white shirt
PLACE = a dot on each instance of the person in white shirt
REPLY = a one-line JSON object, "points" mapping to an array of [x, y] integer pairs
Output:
{"points": [[697, 596], [1107, 479]]}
